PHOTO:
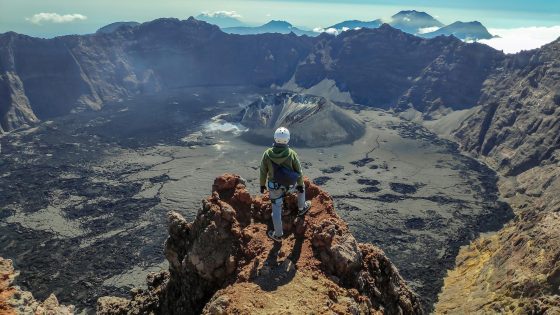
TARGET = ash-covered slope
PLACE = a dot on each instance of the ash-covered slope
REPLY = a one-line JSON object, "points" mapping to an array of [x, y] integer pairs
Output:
{"points": [[223, 263], [316, 120]]}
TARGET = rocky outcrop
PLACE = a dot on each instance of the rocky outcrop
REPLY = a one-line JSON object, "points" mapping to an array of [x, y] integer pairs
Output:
{"points": [[14, 300], [319, 122], [223, 263]]}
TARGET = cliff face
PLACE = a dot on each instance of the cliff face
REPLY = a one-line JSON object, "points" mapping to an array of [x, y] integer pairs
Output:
{"points": [[517, 132], [223, 263], [16, 110], [14, 300], [518, 125]]}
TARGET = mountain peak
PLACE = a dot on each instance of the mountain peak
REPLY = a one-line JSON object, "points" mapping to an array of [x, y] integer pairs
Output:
{"points": [[110, 28], [411, 21], [410, 13], [278, 23]]}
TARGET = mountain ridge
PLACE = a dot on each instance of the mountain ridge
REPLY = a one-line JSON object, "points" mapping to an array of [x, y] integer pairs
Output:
{"points": [[103, 68]]}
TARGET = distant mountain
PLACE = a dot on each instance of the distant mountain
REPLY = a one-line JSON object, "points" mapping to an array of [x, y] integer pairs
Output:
{"points": [[462, 30], [353, 24], [413, 21], [281, 27], [221, 18], [421, 24], [114, 26]]}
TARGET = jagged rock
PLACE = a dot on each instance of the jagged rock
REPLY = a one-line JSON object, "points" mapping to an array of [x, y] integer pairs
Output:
{"points": [[13, 300], [224, 263]]}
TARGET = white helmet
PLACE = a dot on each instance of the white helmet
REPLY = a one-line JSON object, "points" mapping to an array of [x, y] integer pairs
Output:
{"points": [[282, 135]]}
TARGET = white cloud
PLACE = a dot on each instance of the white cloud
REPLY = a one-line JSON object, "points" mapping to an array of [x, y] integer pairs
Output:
{"points": [[55, 18], [332, 31], [430, 29], [222, 14], [524, 38]]}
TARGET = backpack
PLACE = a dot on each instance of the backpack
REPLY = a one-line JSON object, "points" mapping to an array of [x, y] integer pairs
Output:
{"points": [[283, 175]]}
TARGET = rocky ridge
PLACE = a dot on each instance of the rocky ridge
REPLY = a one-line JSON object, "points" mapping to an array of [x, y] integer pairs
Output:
{"points": [[224, 263], [516, 131]]}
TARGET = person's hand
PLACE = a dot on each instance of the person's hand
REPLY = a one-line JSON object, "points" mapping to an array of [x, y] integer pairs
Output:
{"points": [[263, 189], [299, 188]]}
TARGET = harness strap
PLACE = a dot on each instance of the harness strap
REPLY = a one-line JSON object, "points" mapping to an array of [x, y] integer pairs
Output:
{"points": [[276, 186]]}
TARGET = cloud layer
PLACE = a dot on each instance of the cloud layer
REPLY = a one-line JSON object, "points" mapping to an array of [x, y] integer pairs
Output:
{"points": [[525, 38], [43, 17], [426, 30], [222, 14]]}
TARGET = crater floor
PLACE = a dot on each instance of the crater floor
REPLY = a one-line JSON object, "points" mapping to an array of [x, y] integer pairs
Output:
{"points": [[84, 198]]}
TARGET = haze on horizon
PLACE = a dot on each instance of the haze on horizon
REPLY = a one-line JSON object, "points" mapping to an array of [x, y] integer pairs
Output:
{"points": [[522, 24]]}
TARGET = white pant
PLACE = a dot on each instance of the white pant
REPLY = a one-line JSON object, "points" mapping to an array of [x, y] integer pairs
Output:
{"points": [[276, 197]]}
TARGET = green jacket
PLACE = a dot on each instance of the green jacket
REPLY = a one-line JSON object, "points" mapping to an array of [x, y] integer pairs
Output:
{"points": [[283, 156]]}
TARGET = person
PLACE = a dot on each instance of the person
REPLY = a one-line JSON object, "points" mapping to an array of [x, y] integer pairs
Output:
{"points": [[280, 170]]}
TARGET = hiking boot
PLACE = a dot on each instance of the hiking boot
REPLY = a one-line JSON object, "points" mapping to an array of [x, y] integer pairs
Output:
{"points": [[274, 237], [305, 208]]}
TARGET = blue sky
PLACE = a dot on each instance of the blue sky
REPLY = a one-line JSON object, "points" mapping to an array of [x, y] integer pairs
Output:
{"points": [[77, 16]]}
